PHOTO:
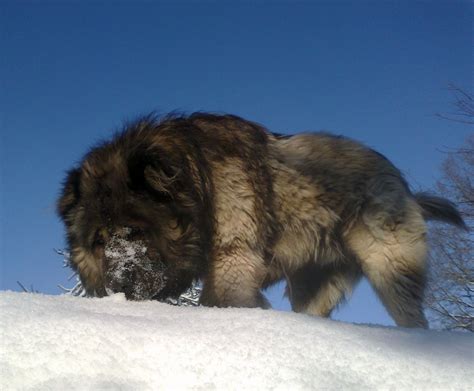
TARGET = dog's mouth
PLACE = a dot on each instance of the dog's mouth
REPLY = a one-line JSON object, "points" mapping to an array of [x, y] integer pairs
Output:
{"points": [[131, 271]]}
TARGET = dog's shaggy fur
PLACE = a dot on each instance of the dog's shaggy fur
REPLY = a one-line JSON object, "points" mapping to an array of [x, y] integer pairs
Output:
{"points": [[221, 199]]}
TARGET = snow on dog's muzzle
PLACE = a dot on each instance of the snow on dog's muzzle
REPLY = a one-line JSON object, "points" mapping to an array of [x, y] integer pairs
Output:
{"points": [[130, 270]]}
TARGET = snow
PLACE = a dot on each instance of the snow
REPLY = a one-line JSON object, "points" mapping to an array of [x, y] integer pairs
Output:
{"points": [[72, 343]]}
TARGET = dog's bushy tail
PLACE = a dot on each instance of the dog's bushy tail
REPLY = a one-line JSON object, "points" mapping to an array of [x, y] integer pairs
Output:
{"points": [[441, 209]]}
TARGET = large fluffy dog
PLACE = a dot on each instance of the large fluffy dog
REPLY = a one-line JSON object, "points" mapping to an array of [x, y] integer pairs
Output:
{"points": [[221, 199]]}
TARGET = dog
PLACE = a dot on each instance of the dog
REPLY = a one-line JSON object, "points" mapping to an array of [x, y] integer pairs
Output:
{"points": [[223, 200]]}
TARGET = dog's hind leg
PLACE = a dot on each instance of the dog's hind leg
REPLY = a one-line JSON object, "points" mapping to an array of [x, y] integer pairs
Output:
{"points": [[393, 257], [317, 290]]}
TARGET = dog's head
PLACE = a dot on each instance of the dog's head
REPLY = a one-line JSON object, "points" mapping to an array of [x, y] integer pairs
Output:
{"points": [[131, 211]]}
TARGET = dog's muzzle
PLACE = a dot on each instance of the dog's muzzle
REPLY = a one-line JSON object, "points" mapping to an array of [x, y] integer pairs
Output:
{"points": [[128, 269]]}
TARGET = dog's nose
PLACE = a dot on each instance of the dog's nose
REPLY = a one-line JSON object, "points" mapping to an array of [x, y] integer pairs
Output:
{"points": [[123, 287], [122, 280]]}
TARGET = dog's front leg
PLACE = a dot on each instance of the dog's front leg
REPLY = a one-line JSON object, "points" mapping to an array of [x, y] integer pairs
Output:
{"points": [[234, 279]]}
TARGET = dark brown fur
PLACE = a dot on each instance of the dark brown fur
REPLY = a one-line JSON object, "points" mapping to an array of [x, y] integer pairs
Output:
{"points": [[221, 199]]}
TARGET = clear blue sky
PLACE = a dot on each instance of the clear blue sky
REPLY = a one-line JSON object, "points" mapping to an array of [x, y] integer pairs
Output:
{"points": [[71, 72]]}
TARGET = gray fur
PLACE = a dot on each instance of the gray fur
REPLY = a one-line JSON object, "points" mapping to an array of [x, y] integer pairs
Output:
{"points": [[221, 199]]}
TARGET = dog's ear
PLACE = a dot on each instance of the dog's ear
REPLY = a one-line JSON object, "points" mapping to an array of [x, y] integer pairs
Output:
{"points": [[162, 178], [156, 171], [70, 193]]}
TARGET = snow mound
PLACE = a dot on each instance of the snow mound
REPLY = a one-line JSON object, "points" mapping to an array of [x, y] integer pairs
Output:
{"points": [[70, 343]]}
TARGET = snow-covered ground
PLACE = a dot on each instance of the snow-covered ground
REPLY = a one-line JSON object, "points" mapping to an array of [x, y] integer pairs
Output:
{"points": [[70, 343]]}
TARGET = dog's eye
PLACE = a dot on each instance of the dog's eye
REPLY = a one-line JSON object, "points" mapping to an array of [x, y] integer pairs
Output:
{"points": [[136, 233], [99, 239]]}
